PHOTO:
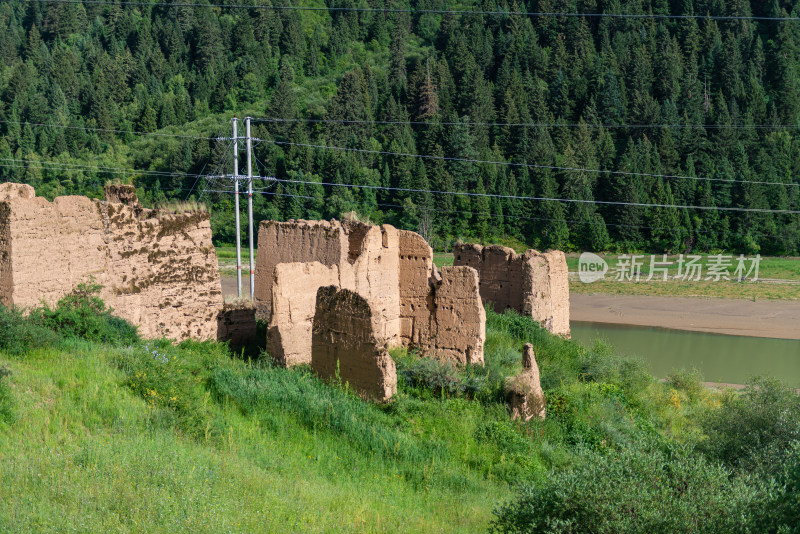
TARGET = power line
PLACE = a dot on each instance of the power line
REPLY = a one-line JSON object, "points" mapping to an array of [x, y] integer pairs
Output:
{"points": [[466, 160], [534, 14], [499, 196], [202, 171], [398, 206], [572, 221], [41, 164], [446, 158], [263, 192], [536, 124], [107, 130], [565, 200], [531, 165]]}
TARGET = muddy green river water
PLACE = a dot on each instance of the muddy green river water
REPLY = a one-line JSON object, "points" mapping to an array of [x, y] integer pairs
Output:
{"points": [[718, 357]]}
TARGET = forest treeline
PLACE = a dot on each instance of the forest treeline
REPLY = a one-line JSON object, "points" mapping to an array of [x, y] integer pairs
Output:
{"points": [[628, 116]]}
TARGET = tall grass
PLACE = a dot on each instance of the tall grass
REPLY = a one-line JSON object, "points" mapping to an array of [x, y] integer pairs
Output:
{"points": [[102, 431]]}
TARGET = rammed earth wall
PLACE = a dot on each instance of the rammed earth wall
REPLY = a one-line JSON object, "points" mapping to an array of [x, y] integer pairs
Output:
{"points": [[391, 269], [158, 269], [344, 346], [534, 283]]}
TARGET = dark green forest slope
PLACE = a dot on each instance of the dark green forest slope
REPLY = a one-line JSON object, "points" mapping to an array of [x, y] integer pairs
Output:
{"points": [[621, 110]]}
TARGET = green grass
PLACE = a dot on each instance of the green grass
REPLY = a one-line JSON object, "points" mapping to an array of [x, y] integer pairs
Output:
{"points": [[147, 436], [245, 449], [770, 267], [778, 279], [229, 253], [776, 268], [440, 259]]}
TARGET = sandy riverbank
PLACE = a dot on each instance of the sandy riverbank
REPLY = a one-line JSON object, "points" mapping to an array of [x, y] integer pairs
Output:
{"points": [[775, 319]]}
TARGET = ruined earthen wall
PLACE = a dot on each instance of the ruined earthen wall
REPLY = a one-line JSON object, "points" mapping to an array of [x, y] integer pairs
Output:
{"points": [[294, 299], [122, 194], [391, 269], [11, 190], [500, 271], [163, 271], [372, 270], [533, 283], [158, 270], [6, 271], [548, 299], [237, 325], [55, 246], [460, 319], [416, 298], [294, 241], [349, 255], [344, 344]]}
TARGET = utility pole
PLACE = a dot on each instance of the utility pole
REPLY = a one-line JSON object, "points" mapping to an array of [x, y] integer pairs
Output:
{"points": [[236, 202], [250, 208], [220, 179]]}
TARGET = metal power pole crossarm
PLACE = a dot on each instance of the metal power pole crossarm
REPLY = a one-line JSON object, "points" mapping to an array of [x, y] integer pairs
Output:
{"points": [[218, 183]]}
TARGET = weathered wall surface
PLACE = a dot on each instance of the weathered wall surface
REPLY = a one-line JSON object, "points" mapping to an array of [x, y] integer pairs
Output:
{"points": [[349, 255], [344, 344], [524, 393], [532, 283], [289, 242], [237, 324], [10, 190], [294, 300], [366, 257], [391, 269], [158, 270], [416, 295], [372, 270], [6, 270], [459, 318], [500, 271], [547, 300]]}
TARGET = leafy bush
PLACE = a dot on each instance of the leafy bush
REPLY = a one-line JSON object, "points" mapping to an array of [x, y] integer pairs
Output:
{"points": [[6, 400], [19, 335], [689, 382], [784, 511], [427, 377], [639, 489], [754, 431], [83, 314], [174, 379], [563, 362]]}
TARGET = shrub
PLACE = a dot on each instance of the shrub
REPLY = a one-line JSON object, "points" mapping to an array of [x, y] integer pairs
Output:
{"points": [[639, 489], [174, 379], [6, 400], [785, 509], [689, 382], [754, 431], [427, 377], [19, 335], [81, 313]]}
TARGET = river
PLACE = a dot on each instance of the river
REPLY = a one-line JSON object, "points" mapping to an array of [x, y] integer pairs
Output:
{"points": [[718, 357]]}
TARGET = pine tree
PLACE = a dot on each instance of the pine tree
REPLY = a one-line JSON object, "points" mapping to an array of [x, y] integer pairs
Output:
{"points": [[283, 103]]}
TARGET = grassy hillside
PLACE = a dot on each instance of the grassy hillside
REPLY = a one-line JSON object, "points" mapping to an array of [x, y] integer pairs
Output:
{"points": [[103, 432]]}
